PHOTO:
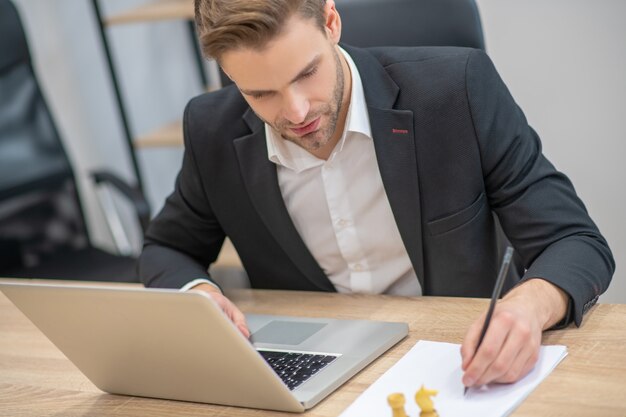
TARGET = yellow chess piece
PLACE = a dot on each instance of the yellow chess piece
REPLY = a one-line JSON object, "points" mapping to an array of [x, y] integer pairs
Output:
{"points": [[425, 403], [396, 401]]}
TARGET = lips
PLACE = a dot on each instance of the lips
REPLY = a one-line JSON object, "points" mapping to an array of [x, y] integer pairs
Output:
{"points": [[311, 127]]}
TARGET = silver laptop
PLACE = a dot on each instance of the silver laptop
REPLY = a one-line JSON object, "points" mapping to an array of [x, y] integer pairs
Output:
{"points": [[180, 345]]}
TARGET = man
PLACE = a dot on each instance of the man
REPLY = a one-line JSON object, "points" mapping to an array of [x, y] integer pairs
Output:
{"points": [[342, 169]]}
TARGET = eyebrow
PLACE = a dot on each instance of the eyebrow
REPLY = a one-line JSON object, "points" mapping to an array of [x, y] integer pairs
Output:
{"points": [[314, 62]]}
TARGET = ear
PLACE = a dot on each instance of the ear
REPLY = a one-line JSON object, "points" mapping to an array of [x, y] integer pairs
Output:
{"points": [[333, 21]]}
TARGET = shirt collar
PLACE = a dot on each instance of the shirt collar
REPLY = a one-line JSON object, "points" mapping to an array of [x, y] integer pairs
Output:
{"points": [[291, 156]]}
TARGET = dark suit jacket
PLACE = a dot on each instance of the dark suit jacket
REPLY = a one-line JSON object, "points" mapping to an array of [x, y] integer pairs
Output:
{"points": [[453, 149]]}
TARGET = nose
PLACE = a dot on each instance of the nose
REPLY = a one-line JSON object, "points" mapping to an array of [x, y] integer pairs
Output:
{"points": [[295, 107]]}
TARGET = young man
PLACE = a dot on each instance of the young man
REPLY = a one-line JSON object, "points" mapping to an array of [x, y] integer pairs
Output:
{"points": [[342, 169]]}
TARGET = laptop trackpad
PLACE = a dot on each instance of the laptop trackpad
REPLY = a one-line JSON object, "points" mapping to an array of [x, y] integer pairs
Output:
{"points": [[286, 332]]}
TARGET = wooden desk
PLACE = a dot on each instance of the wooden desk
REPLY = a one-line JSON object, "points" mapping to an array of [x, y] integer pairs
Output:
{"points": [[37, 380]]}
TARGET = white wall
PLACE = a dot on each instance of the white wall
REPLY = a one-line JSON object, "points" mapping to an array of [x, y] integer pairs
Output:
{"points": [[564, 61]]}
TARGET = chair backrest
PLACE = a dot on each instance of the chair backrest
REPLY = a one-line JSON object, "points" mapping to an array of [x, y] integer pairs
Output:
{"points": [[38, 200], [31, 153], [369, 23]]}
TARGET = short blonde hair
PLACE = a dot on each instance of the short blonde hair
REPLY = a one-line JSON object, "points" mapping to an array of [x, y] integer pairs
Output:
{"points": [[225, 25]]}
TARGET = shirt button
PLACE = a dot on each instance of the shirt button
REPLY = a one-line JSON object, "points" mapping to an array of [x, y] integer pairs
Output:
{"points": [[343, 223], [358, 268]]}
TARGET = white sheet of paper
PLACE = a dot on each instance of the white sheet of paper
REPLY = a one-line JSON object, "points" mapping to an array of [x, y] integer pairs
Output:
{"points": [[437, 365]]}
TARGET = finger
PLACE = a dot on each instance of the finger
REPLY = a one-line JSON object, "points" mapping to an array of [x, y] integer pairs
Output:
{"points": [[490, 348], [521, 368], [514, 354], [470, 341], [240, 320], [232, 312]]}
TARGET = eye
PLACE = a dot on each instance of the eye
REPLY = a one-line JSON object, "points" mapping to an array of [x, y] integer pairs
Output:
{"points": [[309, 74], [258, 95]]}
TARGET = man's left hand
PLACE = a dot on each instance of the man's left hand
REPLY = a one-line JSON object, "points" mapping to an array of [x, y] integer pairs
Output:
{"points": [[510, 347]]}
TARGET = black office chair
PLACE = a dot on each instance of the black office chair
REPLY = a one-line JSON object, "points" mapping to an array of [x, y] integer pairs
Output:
{"points": [[369, 23], [42, 227]]}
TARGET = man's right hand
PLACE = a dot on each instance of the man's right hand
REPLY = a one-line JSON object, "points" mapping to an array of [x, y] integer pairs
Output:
{"points": [[232, 312]]}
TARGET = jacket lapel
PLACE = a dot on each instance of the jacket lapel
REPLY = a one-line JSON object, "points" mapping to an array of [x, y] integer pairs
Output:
{"points": [[395, 144], [261, 181]]}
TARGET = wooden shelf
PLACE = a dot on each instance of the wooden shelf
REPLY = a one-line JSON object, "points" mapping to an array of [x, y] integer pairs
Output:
{"points": [[170, 135], [155, 10]]}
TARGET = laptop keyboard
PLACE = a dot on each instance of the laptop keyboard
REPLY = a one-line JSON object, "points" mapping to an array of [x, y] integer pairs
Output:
{"points": [[295, 367]]}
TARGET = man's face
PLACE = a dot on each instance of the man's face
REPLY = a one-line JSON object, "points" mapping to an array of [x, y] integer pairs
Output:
{"points": [[295, 84]]}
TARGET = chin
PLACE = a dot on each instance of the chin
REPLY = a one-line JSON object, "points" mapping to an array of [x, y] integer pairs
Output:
{"points": [[313, 144]]}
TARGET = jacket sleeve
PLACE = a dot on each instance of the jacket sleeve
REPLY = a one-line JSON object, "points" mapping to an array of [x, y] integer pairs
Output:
{"points": [[537, 206], [185, 237]]}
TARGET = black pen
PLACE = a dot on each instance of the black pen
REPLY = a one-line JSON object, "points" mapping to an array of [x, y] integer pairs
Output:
{"points": [[506, 261]]}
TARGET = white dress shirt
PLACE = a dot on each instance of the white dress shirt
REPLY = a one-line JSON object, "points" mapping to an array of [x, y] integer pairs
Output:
{"points": [[340, 208]]}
